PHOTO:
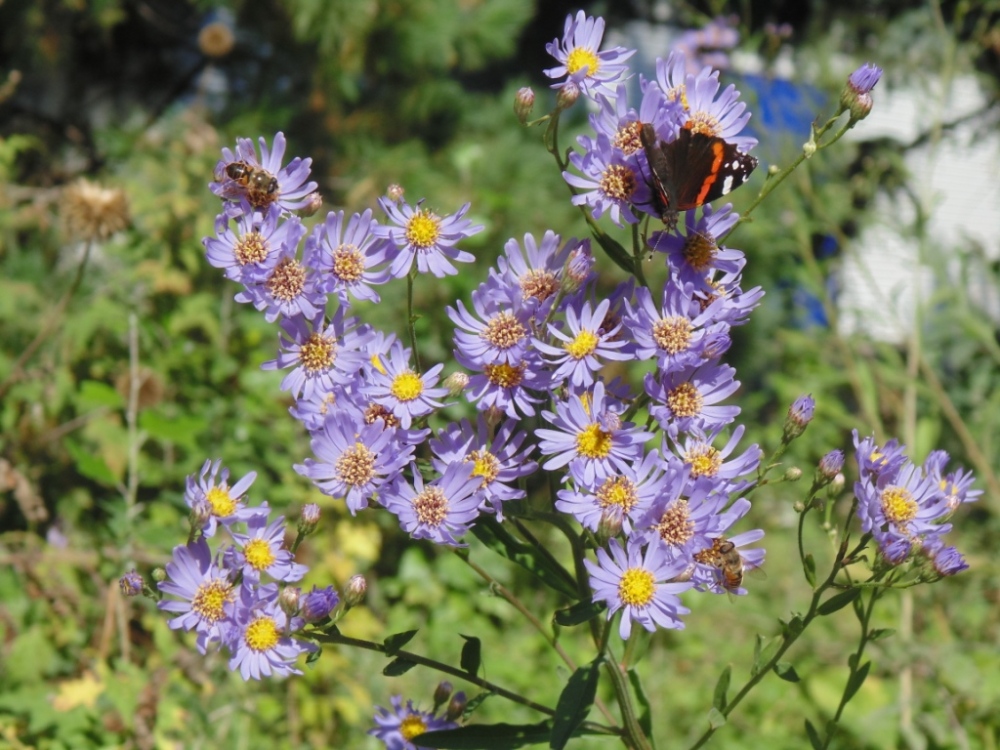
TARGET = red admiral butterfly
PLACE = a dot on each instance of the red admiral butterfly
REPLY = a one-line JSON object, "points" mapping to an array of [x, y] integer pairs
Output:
{"points": [[691, 170]]}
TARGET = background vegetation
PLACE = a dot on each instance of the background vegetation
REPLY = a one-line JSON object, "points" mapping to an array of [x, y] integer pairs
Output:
{"points": [[140, 95]]}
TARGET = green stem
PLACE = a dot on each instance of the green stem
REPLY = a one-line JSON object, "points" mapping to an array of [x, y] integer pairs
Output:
{"points": [[410, 320], [632, 734]]}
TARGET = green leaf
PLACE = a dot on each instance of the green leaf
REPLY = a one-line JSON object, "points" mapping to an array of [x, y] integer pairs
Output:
{"points": [[880, 633], [722, 688], [616, 252], [838, 601], [793, 627], [715, 718], [94, 394], [487, 736], [574, 703], [397, 667], [786, 671], [763, 654], [809, 568], [814, 738], [90, 465], [501, 541], [472, 653], [396, 641], [856, 680], [579, 613], [646, 717], [180, 429]]}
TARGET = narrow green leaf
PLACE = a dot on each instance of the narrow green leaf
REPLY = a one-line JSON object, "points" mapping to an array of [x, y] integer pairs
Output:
{"points": [[646, 714], [574, 703], [856, 680], [722, 688], [486, 736], [786, 671], [814, 738], [396, 641], [793, 627], [314, 655], [501, 541], [763, 655], [809, 568], [880, 633], [472, 653], [616, 252], [94, 394], [758, 646], [90, 465], [397, 667], [715, 718], [838, 601], [579, 613]]}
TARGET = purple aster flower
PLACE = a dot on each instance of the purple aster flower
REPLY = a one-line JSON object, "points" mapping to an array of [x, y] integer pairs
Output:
{"points": [[322, 355], [497, 460], [864, 78], [956, 485], [290, 189], [947, 561], [874, 461], [702, 459], [354, 461], [398, 726], [591, 438], [346, 256], [695, 254], [580, 58], [618, 499], [258, 637], [689, 398], [203, 589], [508, 388], [313, 411], [407, 394], [705, 45], [262, 550], [318, 603], [724, 117], [225, 504], [609, 182], [537, 270], [586, 343], [637, 584], [256, 245], [287, 290], [422, 234], [131, 584], [500, 333], [440, 511]]}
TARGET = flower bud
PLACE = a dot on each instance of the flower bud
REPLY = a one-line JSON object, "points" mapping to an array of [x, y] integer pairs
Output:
{"points": [[456, 383], [288, 600], [567, 95], [579, 268], [131, 583], [309, 518], [609, 527], [524, 102], [837, 485], [793, 474], [201, 514], [159, 575], [456, 707], [856, 96], [800, 414], [394, 193], [442, 693], [831, 464], [319, 603], [315, 204], [355, 592]]}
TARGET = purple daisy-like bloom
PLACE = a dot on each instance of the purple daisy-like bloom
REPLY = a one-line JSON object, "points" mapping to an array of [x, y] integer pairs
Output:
{"points": [[618, 499], [346, 256], [689, 398], [287, 290], [724, 117], [863, 79], [696, 254], [585, 344], [440, 511], [509, 388], [636, 583], [420, 233], [203, 589], [590, 438], [946, 560], [536, 271], [407, 394], [702, 459], [396, 727], [497, 460], [225, 503], [254, 247], [580, 58], [956, 485], [262, 550], [609, 182], [875, 461], [292, 189], [258, 636], [500, 334], [354, 460], [322, 355]]}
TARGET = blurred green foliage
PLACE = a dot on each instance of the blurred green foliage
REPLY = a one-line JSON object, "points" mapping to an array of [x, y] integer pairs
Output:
{"points": [[419, 92]]}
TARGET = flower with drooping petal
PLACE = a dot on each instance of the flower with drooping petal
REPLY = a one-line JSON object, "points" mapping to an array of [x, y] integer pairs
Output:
{"points": [[512, 389], [225, 504], [440, 511], [580, 58], [420, 233], [407, 394], [262, 550], [396, 727], [287, 290], [251, 250]]}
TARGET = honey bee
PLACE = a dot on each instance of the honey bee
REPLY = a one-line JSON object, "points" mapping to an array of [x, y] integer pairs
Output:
{"points": [[728, 562], [258, 185]]}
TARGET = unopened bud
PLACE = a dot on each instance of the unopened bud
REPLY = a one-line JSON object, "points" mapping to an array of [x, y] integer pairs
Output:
{"points": [[159, 575], [609, 527], [856, 96], [288, 600], [442, 693], [831, 464], [493, 416], [456, 707], [355, 592], [319, 603], [130, 584], [567, 95], [456, 383], [579, 268], [201, 513], [314, 204], [793, 474], [837, 485], [524, 102], [800, 414], [394, 193], [309, 518]]}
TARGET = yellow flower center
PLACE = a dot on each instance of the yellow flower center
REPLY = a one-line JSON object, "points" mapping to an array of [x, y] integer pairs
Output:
{"points": [[636, 587], [705, 461], [348, 263], [679, 94], [356, 465], [423, 229], [259, 554], [287, 280], [898, 505], [672, 334], [618, 182], [431, 506], [538, 284], [580, 58], [407, 386], [485, 465], [685, 400], [593, 442], [262, 634], [617, 492], [585, 343], [675, 526], [504, 331], [504, 375], [411, 726], [318, 353], [704, 122], [221, 501], [627, 138], [209, 598], [250, 248]]}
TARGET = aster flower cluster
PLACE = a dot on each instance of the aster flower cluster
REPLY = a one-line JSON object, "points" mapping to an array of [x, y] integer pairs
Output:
{"points": [[239, 598]]}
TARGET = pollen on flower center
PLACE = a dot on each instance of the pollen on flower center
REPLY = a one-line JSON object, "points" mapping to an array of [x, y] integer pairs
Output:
{"points": [[679, 94], [699, 250], [375, 412], [636, 587], [618, 182], [593, 442], [485, 465], [672, 334], [580, 58], [250, 248], [318, 353], [423, 229], [627, 138], [221, 501], [538, 284], [675, 526], [287, 280], [684, 400], [348, 263], [583, 344], [411, 726], [898, 505], [259, 554], [407, 386], [705, 461], [704, 122], [262, 634], [505, 376], [504, 331], [356, 466], [209, 599], [431, 506], [617, 492]]}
